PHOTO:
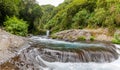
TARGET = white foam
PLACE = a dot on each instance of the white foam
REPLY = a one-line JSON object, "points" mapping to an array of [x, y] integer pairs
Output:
{"points": [[82, 66], [78, 66], [118, 46]]}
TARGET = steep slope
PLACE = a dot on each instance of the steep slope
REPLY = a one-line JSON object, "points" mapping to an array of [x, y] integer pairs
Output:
{"points": [[79, 14]]}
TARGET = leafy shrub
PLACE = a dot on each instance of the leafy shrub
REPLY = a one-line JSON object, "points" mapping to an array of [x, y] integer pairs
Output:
{"points": [[53, 36], [81, 38], [39, 32], [16, 26], [92, 38], [42, 32], [116, 39]]}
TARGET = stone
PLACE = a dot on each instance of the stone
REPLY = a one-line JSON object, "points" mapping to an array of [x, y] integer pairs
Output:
{"points": [[8, 45], [74, 34]]}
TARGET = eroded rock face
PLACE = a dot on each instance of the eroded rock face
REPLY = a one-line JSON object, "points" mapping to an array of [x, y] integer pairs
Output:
{"points": [[74, 34], [8, 45]]}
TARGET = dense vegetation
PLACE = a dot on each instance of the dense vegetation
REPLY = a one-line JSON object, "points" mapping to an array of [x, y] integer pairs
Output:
{"points": [[28, 10], [16, 26], [71, 14], [80, 14], [116, 39]]}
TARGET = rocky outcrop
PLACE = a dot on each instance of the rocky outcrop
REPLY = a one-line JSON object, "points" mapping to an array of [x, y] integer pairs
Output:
{"points": [[9, 45], [74, 34]]}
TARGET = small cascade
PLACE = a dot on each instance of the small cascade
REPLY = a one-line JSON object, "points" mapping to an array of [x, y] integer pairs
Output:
{"points": [[47, 54], [47, 33], [31, 59], [82, 55], [62, 51]]}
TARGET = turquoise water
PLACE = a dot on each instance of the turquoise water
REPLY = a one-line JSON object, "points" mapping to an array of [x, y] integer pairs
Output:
{"points": [[115, 65], [65, 44], [48, 58]]}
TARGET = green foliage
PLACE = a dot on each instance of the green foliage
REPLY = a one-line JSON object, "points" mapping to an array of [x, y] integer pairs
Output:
{"points": [[63, 18], [80, 14], [80, 19], [42, 32], [98, 17], [31, 12], [28, 10], [70, 14], [81, 38], [116, 39], [92, 38], [53, 36], [47, 12], [8, 8], [16, 26]]}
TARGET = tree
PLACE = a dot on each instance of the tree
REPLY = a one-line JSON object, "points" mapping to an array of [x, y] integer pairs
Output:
{"points": [[30, 12], [80, 19], [47, 15], [82, 14], [8, 8]]}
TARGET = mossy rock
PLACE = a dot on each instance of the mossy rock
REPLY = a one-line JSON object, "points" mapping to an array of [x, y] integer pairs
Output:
{"points": [[53, 36], [116, 39], [81, 38], [92, 38]]}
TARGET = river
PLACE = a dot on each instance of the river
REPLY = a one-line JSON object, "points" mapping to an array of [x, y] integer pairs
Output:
{"points": [[49, 54]]}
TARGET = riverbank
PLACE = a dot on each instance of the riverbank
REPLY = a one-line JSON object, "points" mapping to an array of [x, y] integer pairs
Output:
{"points": [[85, 35]]}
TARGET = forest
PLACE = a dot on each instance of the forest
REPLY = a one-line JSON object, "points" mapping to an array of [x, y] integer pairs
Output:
{"points": [[23, 17], [80, 14]]}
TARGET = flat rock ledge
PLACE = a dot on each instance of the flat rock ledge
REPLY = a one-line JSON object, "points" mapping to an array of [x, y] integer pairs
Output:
{"points": [[10, 45]]}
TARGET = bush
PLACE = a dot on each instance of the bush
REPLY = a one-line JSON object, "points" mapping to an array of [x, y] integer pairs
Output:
{"points": [[81, 38], [92, 38], [16, 26], [116, 39], [39, 32], [53, 36]]}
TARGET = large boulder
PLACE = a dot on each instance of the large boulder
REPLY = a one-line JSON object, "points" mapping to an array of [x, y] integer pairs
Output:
{"points": [[9, 45]]}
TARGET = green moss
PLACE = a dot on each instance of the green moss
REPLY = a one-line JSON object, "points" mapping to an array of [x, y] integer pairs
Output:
{"points": [[53, 36], [70, 37], [42, 32], [81, 38], [92, 38], [116, 39], [60, 37], [39, 32]]}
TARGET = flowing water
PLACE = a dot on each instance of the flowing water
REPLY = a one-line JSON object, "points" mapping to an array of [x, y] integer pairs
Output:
{"points": [[47, 33], [49, 54]]}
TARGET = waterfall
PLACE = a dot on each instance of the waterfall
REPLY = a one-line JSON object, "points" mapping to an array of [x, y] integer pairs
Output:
{"points": [[45, 55], [47, 33], [82, 55], [63, 51], [32, 59]]}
